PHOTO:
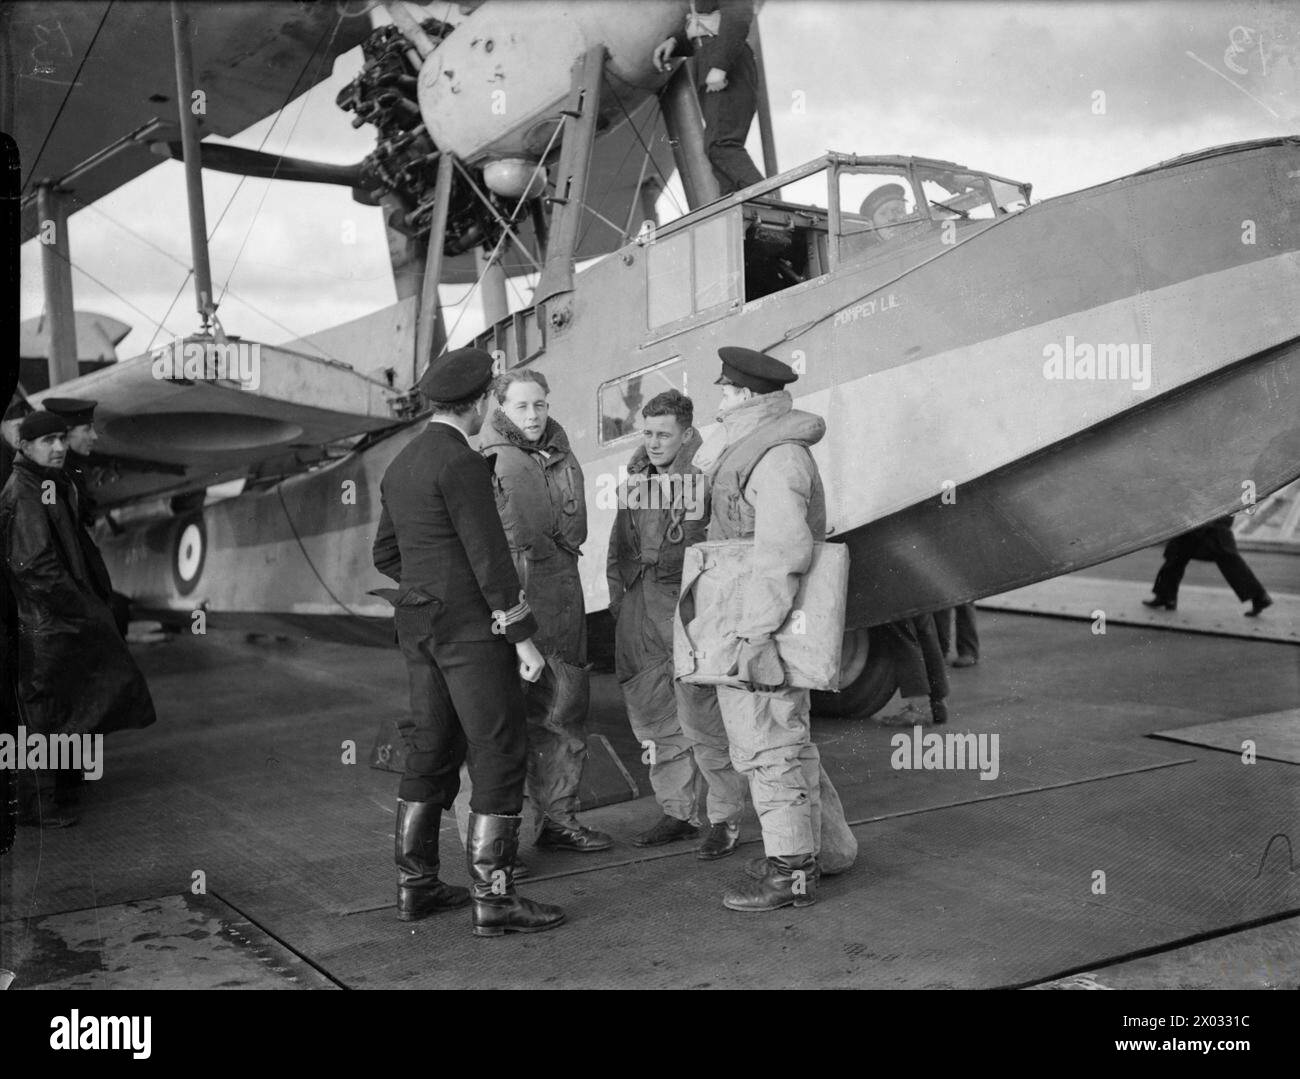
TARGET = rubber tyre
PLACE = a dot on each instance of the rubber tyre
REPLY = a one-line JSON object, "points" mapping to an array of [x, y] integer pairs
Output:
{"points": [[869, 692]]}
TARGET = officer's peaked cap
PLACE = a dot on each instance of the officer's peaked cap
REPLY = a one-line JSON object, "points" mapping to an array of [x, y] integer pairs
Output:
{"points": [[754, 370], [457, 375], [73, 409]]}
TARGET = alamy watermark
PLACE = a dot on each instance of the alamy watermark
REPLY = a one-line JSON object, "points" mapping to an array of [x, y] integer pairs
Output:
{"points": [[1098, 363], [949, 751], [64, 752], [210, 361], [684, 491]]}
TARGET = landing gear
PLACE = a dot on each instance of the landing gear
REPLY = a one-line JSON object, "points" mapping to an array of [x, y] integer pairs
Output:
{"points": [[867, 678]]}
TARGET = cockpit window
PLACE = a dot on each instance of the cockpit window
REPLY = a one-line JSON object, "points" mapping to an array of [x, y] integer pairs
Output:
{"points": [[620, 401], [952, 194]]}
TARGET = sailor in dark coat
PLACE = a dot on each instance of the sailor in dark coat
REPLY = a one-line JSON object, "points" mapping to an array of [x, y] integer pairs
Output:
{"points": [[75, 675], [727, 82], [79, 415], [459, 611]]}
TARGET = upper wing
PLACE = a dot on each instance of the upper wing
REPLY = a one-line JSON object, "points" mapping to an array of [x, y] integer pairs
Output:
{"points": [[82, 74]]}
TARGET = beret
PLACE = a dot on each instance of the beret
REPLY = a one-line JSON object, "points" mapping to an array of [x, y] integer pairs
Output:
{"points": [[456, 375], [73, 409], [753, 370], [18, 408], [41, 423]]}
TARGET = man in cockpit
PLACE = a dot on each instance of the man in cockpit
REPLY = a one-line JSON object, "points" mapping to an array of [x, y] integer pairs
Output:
{"points": [[886, 212]]}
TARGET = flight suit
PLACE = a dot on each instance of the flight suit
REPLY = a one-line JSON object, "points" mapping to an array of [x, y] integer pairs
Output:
{"points": [[542, 505], [690, 765], [765, 486]]}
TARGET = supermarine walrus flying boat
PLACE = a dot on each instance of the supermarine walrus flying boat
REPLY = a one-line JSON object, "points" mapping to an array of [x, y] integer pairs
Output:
{"points": [[1012, 390]]}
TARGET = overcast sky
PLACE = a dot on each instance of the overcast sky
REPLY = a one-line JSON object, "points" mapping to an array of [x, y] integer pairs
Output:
{"points": [[1007, 87]]}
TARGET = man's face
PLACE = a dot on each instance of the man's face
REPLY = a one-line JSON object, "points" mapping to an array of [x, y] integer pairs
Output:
{"points": [[663, 436], [48, 451], [525, 406], [9, 432], [890, 212], [476, 416], [733, 397], [82, 438]]}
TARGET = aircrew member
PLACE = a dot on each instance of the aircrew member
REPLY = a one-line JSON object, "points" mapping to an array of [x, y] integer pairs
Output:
{"points": [[765, 486], [662, 511], [459, 611], [727, 78], [543, 507]]}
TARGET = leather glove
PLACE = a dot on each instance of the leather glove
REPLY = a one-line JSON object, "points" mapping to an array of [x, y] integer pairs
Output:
{"points": [[760, 664]]}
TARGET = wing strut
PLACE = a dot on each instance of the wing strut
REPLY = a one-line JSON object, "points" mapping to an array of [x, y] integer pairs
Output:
{"points": [[56, 272], [571, 178], [429, 334], [193, 164]]}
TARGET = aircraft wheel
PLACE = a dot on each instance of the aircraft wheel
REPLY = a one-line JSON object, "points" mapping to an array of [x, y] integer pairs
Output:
{"points": [[866, 677]]}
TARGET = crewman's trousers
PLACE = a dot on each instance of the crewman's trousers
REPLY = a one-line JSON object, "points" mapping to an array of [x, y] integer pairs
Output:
{"points": [[679, 726], [466, 707], [968, 638], [771, 744], [1208, 544], [727, 116]]}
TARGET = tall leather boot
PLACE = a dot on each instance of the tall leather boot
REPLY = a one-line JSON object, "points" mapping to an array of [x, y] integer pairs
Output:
{"points": [[791, 880], [493, 843], [415, 849]]}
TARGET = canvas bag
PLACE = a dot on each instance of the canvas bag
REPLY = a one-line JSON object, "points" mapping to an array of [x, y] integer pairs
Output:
{"points": [[715, 578]]}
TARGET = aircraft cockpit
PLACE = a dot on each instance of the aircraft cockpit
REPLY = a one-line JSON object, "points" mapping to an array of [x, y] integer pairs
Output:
{"points": [[832, 212]]}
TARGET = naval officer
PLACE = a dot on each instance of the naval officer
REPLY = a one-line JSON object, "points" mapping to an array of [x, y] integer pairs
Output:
{"points": [[463, 624]]}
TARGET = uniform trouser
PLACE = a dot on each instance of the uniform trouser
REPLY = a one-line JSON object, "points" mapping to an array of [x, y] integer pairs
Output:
{"points": [[918, 659], [798, 808], [678, 725], [727, 116], [968, 638], [466, 707], [1182, 549]]}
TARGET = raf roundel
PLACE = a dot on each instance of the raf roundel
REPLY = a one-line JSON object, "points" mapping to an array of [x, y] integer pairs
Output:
{"points": [[188, 554]]}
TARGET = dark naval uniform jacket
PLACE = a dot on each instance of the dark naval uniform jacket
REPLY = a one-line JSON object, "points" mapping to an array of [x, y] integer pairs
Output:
{"points": [[440, 537]]}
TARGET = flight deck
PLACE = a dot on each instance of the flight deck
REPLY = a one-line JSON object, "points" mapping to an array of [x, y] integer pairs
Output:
{"points": [[235, 844]]}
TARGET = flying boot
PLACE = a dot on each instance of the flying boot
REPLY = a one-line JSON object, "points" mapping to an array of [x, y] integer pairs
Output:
{"points": [[791, 880], [493, 843], [415, 849]]}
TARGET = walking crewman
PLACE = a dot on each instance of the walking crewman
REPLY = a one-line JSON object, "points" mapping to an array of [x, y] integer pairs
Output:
{"points": [[662, 510], [459, 611], [765, 486], [1215, 543]]}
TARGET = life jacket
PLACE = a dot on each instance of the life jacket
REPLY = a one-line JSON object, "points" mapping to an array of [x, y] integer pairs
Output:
{"points": [[774, 422]]}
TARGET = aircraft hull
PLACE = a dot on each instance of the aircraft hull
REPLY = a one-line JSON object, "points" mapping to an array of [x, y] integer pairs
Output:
{"points": [[957, 462]]}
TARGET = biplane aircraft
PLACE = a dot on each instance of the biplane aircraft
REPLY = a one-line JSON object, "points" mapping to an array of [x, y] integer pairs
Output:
{"points": [[1013, 389]]}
